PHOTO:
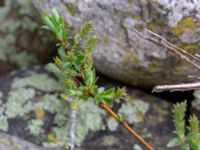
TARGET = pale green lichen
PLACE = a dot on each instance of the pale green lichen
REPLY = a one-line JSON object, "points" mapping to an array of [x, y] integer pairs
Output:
{"points": [[134, 110], [112, 124], [130, 58], [35, 126], [8, 31], [17, 102], [23, 59], [196, 102], [21, 101], [72, 9], [89, 118], [3, 123], [34, 80], [137, 147]]}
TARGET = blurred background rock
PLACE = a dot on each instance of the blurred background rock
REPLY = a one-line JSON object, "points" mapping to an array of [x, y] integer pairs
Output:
{"points": [[22, 42], [120, 54]]}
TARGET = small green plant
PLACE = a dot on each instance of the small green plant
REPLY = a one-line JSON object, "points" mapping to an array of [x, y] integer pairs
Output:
{"points": [[188, 137], [73, 66]]}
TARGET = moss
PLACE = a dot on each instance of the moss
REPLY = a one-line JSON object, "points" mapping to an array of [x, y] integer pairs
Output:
{"points": [[155, 25], [106, 40], [130, 58], [184, 26], [155, 65], [73, 9], [39, 113], [137, 17], [189, 47], [131, 2]]}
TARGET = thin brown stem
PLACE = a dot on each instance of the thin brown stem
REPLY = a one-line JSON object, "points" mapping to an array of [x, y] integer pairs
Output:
{"points": [[125, 125]]}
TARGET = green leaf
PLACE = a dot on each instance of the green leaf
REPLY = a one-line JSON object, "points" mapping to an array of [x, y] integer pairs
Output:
{"points": [[60, 34], [193, 124], [119, 93], [120, 116], [82, 34], [53, 68], [55, 14], [91, 43], [179, 115], [107, 101], [61, 52], [97, 99], [173, 142], [185, 146], [49, 23]]}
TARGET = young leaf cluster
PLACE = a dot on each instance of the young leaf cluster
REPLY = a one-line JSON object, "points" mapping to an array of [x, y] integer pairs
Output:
{"points": [[73, 65], [188, 141]]}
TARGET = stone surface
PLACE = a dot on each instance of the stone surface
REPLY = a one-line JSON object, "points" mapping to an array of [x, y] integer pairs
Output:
{"points": [[22, 42], [8, 142], [24, 106], [120, 53]]}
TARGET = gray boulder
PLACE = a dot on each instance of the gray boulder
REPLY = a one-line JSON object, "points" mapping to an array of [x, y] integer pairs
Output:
{"points": [[120, 53]]}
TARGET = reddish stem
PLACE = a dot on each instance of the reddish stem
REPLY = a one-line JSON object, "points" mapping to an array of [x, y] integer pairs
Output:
{"points": [[125, 125]]}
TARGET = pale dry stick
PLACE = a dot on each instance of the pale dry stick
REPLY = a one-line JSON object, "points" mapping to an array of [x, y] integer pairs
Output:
{"points": [[72, 128], [73, 114], [177, 87]]}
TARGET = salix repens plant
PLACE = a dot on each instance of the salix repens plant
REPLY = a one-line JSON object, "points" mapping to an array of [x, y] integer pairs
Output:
{"points": [[73, 66], [188, 137]]}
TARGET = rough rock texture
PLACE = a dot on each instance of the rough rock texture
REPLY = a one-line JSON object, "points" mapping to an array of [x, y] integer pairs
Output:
{"points": [[30, 108], [8, 142], [22, 42], [120, 53]]}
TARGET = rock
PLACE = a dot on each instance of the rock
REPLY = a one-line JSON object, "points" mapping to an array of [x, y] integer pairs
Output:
{"points": [[8, 142], [22, 42], [120, 53], [30, 108]]}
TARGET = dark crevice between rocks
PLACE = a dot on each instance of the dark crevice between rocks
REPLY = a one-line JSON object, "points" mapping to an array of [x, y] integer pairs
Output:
{"points": [[2, 3], [177, 97]]}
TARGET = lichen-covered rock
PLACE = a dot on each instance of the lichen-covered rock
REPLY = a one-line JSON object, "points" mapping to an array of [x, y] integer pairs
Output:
{"points": [[8, 142], [22, 42], [31, 108], [120, 52]]}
